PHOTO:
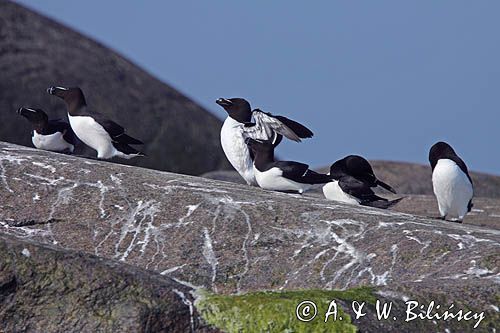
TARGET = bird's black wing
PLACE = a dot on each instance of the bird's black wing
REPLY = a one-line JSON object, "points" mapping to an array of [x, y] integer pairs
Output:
{"points": [[358, 189], [110, 126], [462, 166], [300, 173], [116, 131], [292, 170], [359, 167]]}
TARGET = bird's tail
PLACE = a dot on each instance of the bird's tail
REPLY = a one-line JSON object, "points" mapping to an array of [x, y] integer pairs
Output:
{"points": [[127, 139], [386, 186], [381, 203], [126, 151]]}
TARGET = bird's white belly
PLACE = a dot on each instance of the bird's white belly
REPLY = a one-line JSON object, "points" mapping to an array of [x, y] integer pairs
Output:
{"points": [[93, 135], [332, 191], [233, 144], [452, 188], [52, 142], [272, 179]]}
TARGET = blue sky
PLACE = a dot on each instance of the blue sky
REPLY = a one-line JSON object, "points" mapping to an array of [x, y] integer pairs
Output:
{"points": [[384, 79]]}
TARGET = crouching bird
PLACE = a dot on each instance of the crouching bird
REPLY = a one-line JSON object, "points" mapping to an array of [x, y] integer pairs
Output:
{"points": [[94, 129], [283, 176], [53, 135], [352, 182]]}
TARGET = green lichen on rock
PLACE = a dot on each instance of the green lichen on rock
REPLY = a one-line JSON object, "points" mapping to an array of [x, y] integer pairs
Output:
{"points": [[276, 311]]}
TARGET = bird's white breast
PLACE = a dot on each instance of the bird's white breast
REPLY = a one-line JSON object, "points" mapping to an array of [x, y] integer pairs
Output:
{"points": [[273, 179], [93, 135], [333, 191], [52, 142], [233, 144], [452, 188]]}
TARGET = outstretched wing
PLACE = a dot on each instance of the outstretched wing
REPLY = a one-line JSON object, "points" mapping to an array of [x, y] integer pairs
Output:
{"points": [[266, 125]]}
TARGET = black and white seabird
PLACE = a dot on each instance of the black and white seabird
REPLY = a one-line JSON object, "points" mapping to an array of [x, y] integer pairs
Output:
{"points": [[283, 176], [452, 184], [353, 180], [94, 129], [53, 135], [238, 126]]}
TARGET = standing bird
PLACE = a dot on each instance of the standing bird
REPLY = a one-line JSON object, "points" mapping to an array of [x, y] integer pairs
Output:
{"points": [[451, 182], [94, 129], [283, 176], [53, 135], [353, 180], [238, 126]]}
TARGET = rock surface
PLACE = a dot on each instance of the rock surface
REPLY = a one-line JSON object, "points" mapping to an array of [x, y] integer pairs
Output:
{"points": [[36, 53], [47, 289], [233, 238]]}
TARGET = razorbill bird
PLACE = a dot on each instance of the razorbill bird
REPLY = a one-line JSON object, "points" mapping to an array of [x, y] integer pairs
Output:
{"points": [[451, 182], [53, 135], [238, 126], [283, 176], [94, 129], [353, 180]]}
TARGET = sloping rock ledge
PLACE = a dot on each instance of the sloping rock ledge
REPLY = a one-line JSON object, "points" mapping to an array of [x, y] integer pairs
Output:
{"points": [[233, 239]]}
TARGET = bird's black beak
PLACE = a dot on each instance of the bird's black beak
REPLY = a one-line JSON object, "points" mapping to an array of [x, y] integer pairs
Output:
{"points": [[53, 90], [224, 102], [20, 111]]}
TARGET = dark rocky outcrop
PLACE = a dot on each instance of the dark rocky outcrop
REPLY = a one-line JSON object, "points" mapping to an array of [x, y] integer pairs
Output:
{"points": [[36, 52], [47, 289], [232, 239]]}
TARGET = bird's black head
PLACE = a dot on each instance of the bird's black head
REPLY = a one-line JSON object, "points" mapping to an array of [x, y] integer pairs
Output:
{"points": [[338, 169], [439, 151], [73, 97], [37, 117], [237, 108]]}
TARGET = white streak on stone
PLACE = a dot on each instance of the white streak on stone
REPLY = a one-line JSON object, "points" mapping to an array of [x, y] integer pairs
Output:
{"points": [[139, 221], [210, 257], [187, 302], [172, 269], [45, 166], [46, 180]]}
